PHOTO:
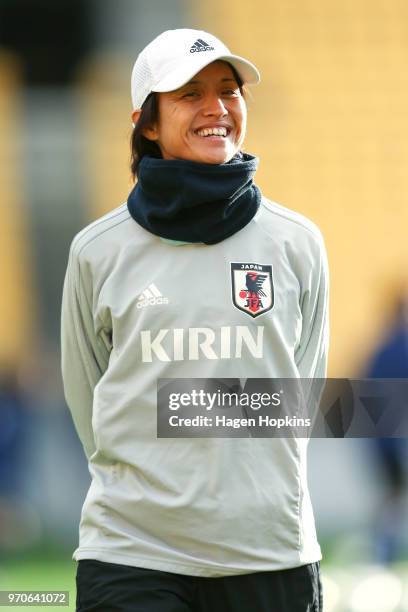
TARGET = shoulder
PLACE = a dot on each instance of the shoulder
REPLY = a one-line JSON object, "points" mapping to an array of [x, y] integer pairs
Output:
{"points": [[100, 230], [291, 222], [290, 228]]}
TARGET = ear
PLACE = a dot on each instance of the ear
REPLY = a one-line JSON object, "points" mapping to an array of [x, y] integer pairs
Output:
{"points": [[148, 132], [151, 133], [135, 116]]}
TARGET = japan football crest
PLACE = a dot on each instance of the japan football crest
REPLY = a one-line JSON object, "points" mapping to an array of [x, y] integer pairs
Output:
{"points": [[252, 287]]}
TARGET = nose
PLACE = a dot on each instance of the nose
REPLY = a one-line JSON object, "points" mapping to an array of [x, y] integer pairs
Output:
{"points": [[214, 106]]}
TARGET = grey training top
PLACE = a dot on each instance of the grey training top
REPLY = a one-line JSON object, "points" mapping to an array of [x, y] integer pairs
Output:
{"points": [[137, 308]]}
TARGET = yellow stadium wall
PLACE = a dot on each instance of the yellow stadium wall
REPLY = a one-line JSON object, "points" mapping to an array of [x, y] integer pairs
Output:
{"points": [[106, 116], [18, 302], [330, 124]]}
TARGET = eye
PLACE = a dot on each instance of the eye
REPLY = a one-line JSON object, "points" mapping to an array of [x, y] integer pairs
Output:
{"points": [[190, 94], [231, 92]]}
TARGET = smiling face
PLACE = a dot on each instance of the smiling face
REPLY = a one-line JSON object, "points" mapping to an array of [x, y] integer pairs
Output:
{"points": [[203, 121]]}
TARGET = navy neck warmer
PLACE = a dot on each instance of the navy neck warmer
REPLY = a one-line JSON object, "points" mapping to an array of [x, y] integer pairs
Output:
{"points": [[195, 202]]}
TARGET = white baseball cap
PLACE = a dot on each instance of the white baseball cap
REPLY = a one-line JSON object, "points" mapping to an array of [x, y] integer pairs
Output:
{"points": [[175, 56]]}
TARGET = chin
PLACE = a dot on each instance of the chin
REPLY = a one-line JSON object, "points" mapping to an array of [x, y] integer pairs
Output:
{"points": [[215, 158], [216, 161]]}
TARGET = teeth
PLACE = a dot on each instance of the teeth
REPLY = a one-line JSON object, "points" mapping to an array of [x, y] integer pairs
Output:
{"points": [[220, 131]]}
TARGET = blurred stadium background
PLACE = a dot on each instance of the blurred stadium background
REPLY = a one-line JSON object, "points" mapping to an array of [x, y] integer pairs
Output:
{"points": [[330, 124]]}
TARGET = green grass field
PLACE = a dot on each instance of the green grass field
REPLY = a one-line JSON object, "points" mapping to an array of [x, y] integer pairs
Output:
{"points": [[39, 575]]}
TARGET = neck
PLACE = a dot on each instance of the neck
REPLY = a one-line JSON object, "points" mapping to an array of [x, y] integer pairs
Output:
{"points": [[195, 202]]}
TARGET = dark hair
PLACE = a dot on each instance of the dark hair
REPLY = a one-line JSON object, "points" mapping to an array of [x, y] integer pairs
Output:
{"points": [[139, 144]]}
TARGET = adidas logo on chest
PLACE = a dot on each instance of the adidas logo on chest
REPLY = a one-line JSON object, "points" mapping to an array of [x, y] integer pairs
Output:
{"points": [[150, 297]]}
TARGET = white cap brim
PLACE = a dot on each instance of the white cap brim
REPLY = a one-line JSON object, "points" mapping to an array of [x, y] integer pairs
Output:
{"points": [[247, 71]]}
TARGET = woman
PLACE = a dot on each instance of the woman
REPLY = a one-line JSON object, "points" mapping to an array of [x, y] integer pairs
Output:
{"points": [[196, 275]]}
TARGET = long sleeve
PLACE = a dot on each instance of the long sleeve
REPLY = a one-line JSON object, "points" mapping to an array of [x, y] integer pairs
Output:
{"points": [[84, 351], [312, 353]]}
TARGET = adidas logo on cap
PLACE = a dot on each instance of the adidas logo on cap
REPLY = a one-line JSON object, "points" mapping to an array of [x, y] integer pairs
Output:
{"points": [[150, 297], [200, 45]]}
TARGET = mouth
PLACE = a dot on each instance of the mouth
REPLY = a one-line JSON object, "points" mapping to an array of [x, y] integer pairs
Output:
{"points": [[214, 133]]}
